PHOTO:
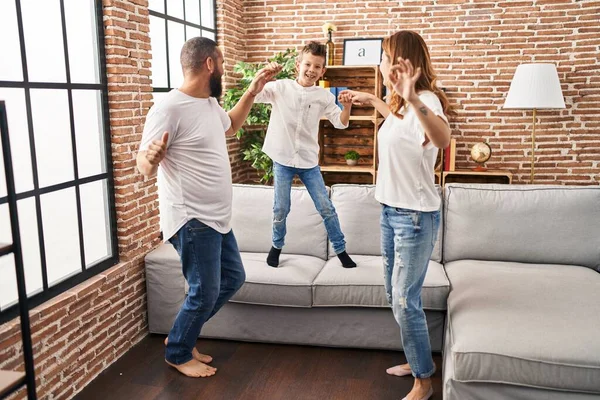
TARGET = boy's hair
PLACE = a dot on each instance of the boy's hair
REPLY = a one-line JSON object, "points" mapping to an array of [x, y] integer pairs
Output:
{"points": [[315, 48]]}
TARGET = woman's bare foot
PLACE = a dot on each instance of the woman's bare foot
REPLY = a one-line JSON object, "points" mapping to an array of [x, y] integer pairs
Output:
{"points": [[399, 370], [422, 390], [194, 369], [203, 358]]}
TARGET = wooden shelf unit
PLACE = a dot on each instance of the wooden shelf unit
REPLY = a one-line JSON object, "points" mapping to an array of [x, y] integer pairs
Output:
{"points": [[361, 134]]}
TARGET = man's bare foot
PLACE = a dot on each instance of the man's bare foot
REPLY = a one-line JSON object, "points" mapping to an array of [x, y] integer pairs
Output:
{"points": [[422, 390], [399, 370], [194, 369], [203, 358]]}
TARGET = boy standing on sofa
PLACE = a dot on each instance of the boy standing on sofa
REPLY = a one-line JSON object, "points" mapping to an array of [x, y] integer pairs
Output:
{"points": [[292, 143]]}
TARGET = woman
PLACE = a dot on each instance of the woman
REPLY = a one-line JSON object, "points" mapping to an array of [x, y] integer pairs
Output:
{"points": [[415, 128]]}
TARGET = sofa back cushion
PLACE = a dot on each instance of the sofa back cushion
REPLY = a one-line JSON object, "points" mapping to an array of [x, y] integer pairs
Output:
{"points": [[252, 217], [523, 223], [359, 215]]}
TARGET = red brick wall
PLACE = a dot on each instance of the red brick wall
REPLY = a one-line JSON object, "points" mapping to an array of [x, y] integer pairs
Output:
{"points": [[476, 47], [232, 41]]}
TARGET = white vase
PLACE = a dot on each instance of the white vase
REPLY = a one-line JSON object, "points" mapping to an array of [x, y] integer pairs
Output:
{"points": [[352, 162]]}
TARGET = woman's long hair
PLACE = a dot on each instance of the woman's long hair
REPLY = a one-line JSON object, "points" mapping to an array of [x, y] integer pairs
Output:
{"points": [[411, 46]]}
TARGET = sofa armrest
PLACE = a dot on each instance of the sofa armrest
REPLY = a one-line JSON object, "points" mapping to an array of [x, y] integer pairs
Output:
{"points": [[165, 286]]}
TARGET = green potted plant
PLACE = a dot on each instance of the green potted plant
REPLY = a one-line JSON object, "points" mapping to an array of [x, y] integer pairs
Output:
{"points": [[352, 158], [252, 134]]}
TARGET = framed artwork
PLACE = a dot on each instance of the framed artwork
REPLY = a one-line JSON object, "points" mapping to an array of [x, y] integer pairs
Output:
{"points": [[366, 51]]}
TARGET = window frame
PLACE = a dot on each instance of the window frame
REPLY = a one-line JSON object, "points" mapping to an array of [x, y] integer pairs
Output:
{"points": [[184, 22], [48, 292]]}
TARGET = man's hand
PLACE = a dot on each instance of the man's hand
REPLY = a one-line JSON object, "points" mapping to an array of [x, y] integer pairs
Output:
{"points": [[345, 99], [157, 150], [263, 76]]}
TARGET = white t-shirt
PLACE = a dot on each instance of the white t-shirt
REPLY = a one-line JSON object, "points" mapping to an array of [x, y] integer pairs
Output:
{"points": [[293, 133], [405, 178], [194, 178]]}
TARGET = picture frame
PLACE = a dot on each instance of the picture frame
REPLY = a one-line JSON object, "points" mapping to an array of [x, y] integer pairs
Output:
{"points": [[362, 51]]}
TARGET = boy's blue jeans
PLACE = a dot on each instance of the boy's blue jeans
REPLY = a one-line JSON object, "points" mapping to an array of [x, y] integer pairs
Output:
{"points": [[313, 180], [213, 269]]}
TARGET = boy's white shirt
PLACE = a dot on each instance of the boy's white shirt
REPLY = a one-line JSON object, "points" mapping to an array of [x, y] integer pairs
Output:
{"points": [[292, 136]]}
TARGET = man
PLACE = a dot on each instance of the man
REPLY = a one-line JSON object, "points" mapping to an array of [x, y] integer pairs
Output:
{"points": [[186, 134]]}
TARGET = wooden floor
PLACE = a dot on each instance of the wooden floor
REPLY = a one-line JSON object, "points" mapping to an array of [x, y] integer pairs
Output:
{"points": [[249, 371]]}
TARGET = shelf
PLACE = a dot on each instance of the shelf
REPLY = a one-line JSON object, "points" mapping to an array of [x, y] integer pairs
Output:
{"points": [[378, 120], [347, 168], [479, 173], [5, 249], [470, 176], [10, 380], [353, 67]]}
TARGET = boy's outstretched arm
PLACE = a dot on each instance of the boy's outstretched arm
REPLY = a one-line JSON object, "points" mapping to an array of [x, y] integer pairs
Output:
{"points": [[339, 118], [239, 112], [345, 100]]}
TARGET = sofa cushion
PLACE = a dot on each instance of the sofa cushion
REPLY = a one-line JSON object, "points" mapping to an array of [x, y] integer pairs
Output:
{"points": [[525, 324], [363, 286], [288, 285], [533, 224], [359, 214], [252, 222]]}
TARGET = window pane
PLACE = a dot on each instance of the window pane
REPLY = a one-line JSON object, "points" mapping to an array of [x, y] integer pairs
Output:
{"points": [[30, 245], [8, 283], [208, 18], [61, 234], [80, 19], [209, 34], [52, 133], [175, 8], [176, 41], [158, 42], [192, 11], [96, 226], [29, 248], [157, 5], [19, 141], [10, 67], [89, 132], [191, 32], [43, 40]]}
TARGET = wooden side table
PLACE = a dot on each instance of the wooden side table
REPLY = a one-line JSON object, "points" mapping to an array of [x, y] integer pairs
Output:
{"points": [[470, 176]]}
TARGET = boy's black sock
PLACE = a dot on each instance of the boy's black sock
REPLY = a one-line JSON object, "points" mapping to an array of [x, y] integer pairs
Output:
{"points": [[346, 260], [273, 257]]}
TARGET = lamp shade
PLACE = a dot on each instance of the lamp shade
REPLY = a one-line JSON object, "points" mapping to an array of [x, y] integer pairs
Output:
{"points": [[535, 86]]}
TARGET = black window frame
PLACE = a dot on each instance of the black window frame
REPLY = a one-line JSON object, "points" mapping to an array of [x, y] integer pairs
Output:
{"points": [[48, 292], [184, 22]]}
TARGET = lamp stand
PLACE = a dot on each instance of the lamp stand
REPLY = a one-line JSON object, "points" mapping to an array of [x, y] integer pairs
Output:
{"points": [[532, 148]]}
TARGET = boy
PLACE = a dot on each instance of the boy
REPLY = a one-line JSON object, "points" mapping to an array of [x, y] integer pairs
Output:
{"points": [[292, 144]]}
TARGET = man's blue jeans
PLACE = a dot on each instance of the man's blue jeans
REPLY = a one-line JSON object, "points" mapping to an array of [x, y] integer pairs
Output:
{"points": [[313, 180], [213, 268], [407, 241]]}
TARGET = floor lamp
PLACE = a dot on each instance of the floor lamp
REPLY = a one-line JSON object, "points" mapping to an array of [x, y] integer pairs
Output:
{"points": [[534, 87]]}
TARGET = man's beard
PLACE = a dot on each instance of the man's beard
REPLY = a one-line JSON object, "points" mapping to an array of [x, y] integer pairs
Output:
{"points": [[216, 86]]}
